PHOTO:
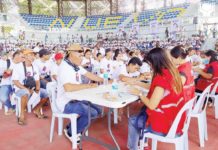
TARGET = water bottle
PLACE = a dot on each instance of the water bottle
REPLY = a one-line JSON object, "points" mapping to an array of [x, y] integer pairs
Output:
{"points": [[105, 76], [114, 88]]}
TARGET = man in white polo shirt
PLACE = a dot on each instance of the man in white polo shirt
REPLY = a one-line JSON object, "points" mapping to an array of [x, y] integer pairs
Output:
{"points": [[69, 80], [131, 71]]}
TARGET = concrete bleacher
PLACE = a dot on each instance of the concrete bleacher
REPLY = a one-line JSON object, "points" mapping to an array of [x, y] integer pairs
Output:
{"points": [[111, 23], [46, 22], [210, 1], [145, 17], [105, 22]]}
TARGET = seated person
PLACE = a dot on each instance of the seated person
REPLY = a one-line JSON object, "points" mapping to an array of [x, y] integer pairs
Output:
{"points": [[209, 74], [69, 80], [130, 72], [96, 64], [54, 71], [44, 67], [5, 83], [106, 65], [145, 71], [25, 78], [185, 69], [165, 89]]}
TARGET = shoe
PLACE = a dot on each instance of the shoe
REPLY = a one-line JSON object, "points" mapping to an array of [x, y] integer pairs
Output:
{"points": [[69, 136], [146, 147]]}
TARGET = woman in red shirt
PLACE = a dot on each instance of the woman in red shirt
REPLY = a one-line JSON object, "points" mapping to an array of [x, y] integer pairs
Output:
{"points": [[179, 54], [210, 73], [164, 96]]}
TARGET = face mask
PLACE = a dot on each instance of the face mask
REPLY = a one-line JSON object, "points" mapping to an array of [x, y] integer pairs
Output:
{"points": [[205, 61]]}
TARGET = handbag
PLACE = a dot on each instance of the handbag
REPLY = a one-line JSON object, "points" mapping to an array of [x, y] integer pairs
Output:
{"points": [[29, 81]]}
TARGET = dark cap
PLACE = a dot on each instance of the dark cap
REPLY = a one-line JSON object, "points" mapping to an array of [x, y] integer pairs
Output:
{"points": [[44, 52]]}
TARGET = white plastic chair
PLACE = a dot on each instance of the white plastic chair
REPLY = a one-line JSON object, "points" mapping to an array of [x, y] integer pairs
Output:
{"points": [[51, 88], [15, 100], [214, 97], [33, 101], [199, 112], [181, 142]]}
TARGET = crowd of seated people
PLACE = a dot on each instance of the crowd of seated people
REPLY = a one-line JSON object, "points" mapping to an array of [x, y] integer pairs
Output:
{"points": [[168, 64]]}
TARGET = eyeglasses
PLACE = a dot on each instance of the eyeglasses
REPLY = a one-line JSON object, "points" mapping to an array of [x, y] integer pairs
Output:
{"points": [[79, 51]]}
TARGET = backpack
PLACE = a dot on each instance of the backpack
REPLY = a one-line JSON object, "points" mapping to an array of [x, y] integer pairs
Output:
{"points": [[29, 81]]}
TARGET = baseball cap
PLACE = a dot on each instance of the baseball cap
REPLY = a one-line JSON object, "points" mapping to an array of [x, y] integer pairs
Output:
{"points": [[58, 56], [44, 52]]}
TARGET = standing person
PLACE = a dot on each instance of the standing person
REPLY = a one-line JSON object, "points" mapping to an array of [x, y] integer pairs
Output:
{"points": [[214, 31], [60, 39], [205, 31], [81, 39], [33, 36], [68, 38], [69, 80], [46, 38], [167, 33], [159, 118]]}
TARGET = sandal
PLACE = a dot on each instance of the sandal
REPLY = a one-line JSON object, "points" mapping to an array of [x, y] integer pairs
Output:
{"points": [[39, 116], [20, 122], [42, 117]]}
